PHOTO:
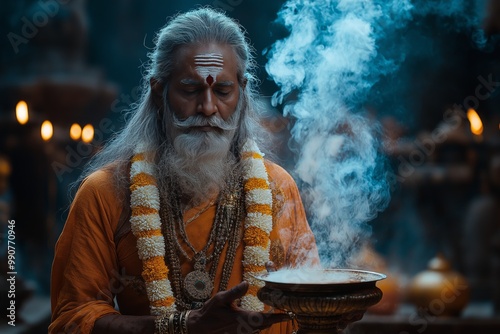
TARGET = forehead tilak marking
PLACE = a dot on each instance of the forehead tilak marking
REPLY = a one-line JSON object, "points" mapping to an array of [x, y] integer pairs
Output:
{"points": [[209, 65]]}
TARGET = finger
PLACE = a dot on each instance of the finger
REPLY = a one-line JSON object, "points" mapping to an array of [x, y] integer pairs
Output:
{"points": [[270, 266], [227, 297], [270, 319]]}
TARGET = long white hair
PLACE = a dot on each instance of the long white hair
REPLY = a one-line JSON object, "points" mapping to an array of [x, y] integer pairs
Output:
{"points": [[145, 126]]}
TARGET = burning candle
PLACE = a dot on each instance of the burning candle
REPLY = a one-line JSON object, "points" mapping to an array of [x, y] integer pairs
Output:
{"points": [[47, 130], [75, 131], [22, 112], [87, 133], [476, 125]]}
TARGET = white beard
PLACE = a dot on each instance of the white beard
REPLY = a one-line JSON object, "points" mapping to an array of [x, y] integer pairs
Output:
{"points": [[199, 162]]}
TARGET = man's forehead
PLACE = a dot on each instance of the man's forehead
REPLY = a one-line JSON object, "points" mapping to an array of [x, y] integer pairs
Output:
{"points": [[208, 63], [188, 52], [209, 59], [208, 66]]}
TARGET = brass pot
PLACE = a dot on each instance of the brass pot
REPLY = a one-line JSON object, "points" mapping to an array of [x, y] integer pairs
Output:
{"points": [[324, 307], [439, 290]]}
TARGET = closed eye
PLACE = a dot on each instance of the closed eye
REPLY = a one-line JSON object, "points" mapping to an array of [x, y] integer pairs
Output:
{"points": [[190, 91], [222, 92]]}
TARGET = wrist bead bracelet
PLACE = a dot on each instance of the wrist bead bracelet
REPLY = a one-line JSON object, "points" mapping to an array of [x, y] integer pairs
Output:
{"points": [[171, 324], [184, 329], [161, 325], [175, 323]]}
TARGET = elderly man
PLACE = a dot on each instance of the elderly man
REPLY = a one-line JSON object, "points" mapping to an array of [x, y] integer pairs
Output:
{"points": [[179, 211]]}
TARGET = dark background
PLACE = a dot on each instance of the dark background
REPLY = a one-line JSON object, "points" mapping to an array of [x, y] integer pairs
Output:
{"points": [[84, 65]]}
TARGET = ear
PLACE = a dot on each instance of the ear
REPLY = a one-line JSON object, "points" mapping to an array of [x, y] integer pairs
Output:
{"points": [[156, 92], [244, 82]]}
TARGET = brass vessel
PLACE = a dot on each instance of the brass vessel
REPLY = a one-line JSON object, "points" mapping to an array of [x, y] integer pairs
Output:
{"points": [[324, 307], [439, 290]]}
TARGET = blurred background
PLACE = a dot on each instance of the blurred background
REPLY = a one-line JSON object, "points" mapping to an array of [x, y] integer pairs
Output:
{"points": [[69, 70]]}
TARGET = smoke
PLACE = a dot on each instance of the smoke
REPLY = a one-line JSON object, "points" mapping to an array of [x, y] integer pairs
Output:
{"points": [[335, 53]]}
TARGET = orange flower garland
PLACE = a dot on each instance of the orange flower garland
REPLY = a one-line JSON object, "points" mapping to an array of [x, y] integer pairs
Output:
{"points": [[258, 223], [146, 226]]}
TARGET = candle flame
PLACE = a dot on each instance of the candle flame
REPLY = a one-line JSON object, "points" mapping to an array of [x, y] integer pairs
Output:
{"points": [[87, 133], [476, 126], [75, 131], [22, 112], [47, 130]]}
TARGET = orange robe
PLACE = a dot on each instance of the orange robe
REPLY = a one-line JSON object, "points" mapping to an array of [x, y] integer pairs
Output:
{"points": [[96, 257]]}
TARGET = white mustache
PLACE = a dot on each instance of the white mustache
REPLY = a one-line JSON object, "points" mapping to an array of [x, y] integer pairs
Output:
{"points": [[200, 120]]}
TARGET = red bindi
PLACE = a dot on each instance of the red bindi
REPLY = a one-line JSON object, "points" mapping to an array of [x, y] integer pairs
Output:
{"points": [[210, 80]]}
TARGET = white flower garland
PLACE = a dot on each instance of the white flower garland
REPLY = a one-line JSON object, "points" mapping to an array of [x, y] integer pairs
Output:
{"points": [[146, 226]]}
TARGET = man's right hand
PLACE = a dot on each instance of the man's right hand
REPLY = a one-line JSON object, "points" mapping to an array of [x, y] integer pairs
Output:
{"points": [[220, 315]]}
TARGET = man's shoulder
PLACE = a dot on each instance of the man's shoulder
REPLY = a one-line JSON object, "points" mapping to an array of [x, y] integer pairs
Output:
{"points": [[102, 182], [99, 179], [275, 169], [278, 176]]}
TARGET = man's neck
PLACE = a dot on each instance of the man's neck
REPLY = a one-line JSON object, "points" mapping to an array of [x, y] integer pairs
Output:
{"points": [[187, 203]]}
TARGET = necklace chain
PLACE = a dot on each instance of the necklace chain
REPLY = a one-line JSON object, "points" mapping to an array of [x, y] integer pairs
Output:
{"points": [[226, 229], [199, 213]]}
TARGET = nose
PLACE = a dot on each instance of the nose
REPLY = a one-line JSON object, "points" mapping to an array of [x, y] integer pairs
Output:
{"points": [[207, 103]]}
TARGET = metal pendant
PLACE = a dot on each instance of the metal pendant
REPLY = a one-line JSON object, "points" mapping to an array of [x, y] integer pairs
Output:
{"points": [[197, 284]]}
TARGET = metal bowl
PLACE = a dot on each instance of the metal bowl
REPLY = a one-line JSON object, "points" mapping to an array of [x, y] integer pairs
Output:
{"points": [[323, 301]]}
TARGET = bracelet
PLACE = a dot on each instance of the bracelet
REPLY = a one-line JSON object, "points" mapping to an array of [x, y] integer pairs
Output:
{"points": [[161, 325], [174, 323], [184, 329], [177, 323], [171, 324]]}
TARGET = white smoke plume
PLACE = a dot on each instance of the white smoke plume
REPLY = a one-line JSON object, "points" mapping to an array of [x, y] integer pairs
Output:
{"points": [[336, 51]]}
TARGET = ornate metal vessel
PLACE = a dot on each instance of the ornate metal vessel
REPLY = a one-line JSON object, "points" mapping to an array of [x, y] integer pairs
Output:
{"points": [[323, 305]]}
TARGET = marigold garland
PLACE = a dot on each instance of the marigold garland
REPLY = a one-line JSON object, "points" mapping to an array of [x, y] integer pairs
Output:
{"points": [[146, 226]]}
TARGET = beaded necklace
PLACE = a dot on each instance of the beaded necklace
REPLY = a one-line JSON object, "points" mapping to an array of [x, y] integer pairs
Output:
{"points": [[146, 225], [197, 286]]}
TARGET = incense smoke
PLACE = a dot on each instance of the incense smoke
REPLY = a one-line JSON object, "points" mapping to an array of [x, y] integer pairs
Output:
{"points": [[335, 53]]}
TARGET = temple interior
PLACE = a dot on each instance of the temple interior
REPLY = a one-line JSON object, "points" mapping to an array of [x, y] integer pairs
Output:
{"points": [[425, 79]]}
